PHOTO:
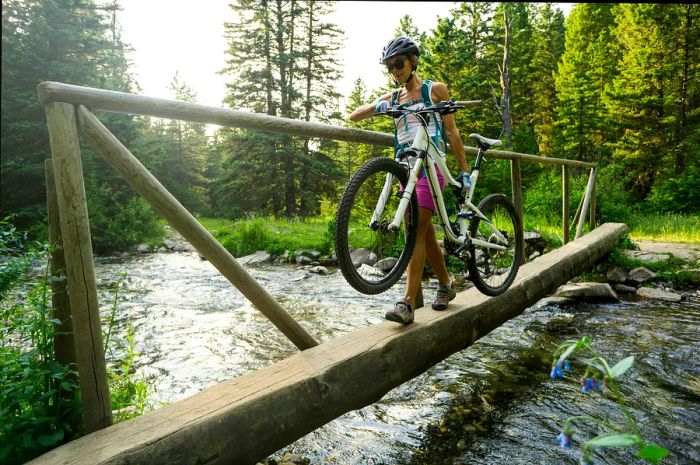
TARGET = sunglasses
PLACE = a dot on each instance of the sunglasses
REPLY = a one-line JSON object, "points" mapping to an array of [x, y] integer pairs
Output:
{"points": [[397, 64]]}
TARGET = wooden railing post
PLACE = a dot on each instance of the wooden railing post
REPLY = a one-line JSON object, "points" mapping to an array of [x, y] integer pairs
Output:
{"points": [[517, 191], [565, 202], [82, 285], [64, 344], [585, 203], [593, 199]]}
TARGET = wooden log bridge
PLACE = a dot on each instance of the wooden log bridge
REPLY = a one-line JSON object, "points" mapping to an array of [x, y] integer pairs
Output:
{"points": [[243, 420]]}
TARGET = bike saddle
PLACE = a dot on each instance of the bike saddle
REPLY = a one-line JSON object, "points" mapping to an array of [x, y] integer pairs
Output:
{"points": [[485, 142]]}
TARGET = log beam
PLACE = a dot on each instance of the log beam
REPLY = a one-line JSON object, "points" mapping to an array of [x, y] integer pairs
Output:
{"points": [[231, 422]]}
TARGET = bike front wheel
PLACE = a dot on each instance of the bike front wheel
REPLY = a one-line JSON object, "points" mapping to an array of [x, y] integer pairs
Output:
{"points": [[493, 270], [371, 255]]}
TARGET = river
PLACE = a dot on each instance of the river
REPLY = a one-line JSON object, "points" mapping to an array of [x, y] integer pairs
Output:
{"points": [[492, 403]]}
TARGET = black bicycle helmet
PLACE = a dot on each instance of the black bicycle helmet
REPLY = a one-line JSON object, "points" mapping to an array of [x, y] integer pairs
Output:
{"points": [[399, 46]]}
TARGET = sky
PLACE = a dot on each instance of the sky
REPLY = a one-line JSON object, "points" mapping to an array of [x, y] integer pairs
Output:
{"points": [[169, 36]]}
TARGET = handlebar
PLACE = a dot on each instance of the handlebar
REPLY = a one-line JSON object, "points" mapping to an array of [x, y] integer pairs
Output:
{"points": [[444, 108]]}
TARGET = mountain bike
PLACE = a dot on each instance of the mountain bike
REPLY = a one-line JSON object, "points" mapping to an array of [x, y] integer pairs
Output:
{"points": [[377, 217]]}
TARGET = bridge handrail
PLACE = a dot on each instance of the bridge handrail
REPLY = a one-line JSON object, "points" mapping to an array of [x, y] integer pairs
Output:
{"points": [[123, 102]]}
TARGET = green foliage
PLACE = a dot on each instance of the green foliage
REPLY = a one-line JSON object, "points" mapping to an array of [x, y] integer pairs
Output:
{"points": [[39, 406], [118, 220], [678, 194], [282, 57], [73, 42], [652, 95]]}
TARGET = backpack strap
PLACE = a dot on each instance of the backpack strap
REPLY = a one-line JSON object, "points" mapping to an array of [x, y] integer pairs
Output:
{"points": [[425, 89], [394, 101], [426, 93]]}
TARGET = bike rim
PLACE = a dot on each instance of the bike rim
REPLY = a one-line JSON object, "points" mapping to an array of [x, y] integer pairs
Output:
{"points": [[377, 252], [496, 267]]}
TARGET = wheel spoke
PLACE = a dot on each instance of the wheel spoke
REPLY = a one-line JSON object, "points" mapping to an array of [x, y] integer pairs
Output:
{"points": [[371, 255]]}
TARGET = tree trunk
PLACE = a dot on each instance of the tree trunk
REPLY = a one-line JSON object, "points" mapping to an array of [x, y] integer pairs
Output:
{"points": [[305, 207], [505, 84], [285, 73], [271, 107], [680, 152]]}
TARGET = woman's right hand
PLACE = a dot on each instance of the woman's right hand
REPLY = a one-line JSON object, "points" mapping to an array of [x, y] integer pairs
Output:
{"points": [[381, 106]]}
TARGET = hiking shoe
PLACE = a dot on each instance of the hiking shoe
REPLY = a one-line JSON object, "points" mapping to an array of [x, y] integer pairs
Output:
{"points": [[444, 296], [401, 313]]}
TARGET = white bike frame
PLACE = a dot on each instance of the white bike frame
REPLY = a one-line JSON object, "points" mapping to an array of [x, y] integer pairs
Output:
{"points": [[423, 144]]}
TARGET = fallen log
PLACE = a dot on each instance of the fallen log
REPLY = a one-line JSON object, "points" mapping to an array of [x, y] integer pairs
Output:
{"points": [[243, 420]]}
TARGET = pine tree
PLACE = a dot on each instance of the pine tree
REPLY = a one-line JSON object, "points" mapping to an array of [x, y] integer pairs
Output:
{"points": [[282, 57], [320, 72], [77, 43], [588, 67], [648, 100], [516, 104], [182, 156], [548, 37], [456, 56]]}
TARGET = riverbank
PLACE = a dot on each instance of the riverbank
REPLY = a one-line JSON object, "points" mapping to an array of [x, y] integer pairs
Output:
{"points": [[676, 264]]}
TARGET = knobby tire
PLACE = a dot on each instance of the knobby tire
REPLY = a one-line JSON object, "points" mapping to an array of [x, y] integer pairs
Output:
{"points": [[363, 177]]}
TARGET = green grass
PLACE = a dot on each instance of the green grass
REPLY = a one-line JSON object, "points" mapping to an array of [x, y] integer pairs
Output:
{"points": [[246, 236], [665, 227], [658, 227], [242, 237]]}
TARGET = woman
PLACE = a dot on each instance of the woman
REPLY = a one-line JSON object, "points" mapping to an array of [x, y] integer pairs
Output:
{"points": [[400, 56]]}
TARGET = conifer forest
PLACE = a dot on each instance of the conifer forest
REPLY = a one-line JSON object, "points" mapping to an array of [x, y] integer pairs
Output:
{"points": [[613, 83]]}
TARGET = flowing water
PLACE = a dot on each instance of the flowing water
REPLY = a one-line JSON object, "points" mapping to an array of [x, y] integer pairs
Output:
{"points": [[492, 403]]}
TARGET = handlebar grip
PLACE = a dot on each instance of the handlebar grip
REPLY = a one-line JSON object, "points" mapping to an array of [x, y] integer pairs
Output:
{"points": [[469, 103]]}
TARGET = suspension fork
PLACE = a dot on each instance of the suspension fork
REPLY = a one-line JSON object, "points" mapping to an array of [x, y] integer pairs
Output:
{"points": [[407, 193], [405, 198]]}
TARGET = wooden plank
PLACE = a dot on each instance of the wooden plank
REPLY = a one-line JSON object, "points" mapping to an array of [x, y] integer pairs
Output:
{"points": [[517, 193], [122, 102], [64, 345], [77, 246], [592, 220], [565, 202], [232, 422], [143, 182]]}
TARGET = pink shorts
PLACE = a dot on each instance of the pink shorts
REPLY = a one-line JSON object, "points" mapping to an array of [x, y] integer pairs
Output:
{"points": [[424, 196]]}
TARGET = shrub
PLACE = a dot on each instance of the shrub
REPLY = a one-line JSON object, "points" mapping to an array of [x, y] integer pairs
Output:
{"points": [[676, 195], [118, 221], [39, 406]]}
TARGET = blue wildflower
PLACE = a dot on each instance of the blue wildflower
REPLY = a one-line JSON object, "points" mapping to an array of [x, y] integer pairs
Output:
{"points": [[556, 372], [567, 367], [564, 439], [590, 384]]}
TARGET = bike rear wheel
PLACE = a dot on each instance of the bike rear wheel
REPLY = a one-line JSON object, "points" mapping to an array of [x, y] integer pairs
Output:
{"points": [[371, 256], [492, 271]]}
